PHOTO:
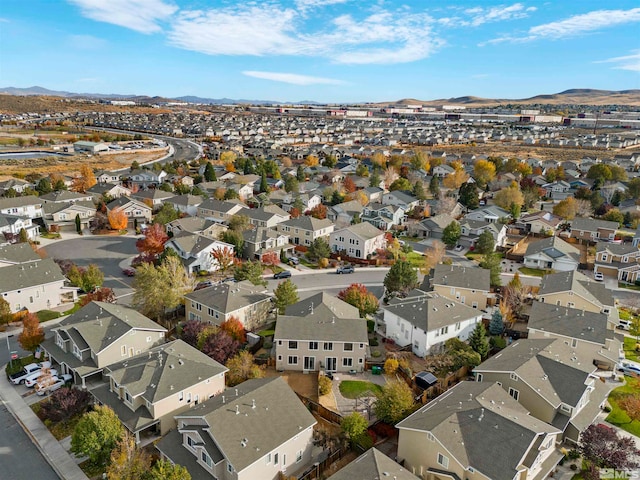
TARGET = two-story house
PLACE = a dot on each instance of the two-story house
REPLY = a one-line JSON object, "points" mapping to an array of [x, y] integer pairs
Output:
{"points": [[16, 254], [101, 190], [268, 217], [187, 203], [621, 261], [220, 211], [253, 431], [373, 464], [153, 198], [398, 198], [63, 215], [489, 214], [305, 229], [65, 196], [262, 240], [329, 304], [147, 390], [344, 213], [455, 436], [552, 253], [467, 285], [592, 230], [552, 379], [431, 227], [98, 335], [247, 302], [426, 321], [11, 225], [195, 251], [199, 225], [133, 209], [472, 229], [146, 178], [539, 222], [358, 241], [34, 286], [383, 216], [28, 206]]}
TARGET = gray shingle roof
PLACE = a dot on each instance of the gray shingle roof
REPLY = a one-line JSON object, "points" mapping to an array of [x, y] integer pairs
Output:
{"points": [[171, 446], [456, 276], [324, 303], [592, 225], [553, 247], [278, 416], [579, 284], [307, 222], [373, 464], [229, 297], [18, 253], [363, 230], [321, 326], [474, 420], [617, 249], [13, 202], [15, 277]]}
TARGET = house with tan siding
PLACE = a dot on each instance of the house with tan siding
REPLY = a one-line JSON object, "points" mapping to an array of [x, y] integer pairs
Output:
{"points": [[373, 464], [620, 261], [593, 230], [358, 241], [257, 430], [147, 390], [467, 285]]}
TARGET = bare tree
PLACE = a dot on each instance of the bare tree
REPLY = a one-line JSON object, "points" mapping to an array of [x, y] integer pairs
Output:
{"points": [[583, 208], [445, 204], [390, 176]]}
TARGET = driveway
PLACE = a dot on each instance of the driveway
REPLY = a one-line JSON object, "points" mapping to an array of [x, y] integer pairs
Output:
{"points": [[106, 252]]}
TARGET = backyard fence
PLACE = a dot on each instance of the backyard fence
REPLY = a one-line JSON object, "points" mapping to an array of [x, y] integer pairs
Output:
{"points": [[319, 468], [323, 412]]}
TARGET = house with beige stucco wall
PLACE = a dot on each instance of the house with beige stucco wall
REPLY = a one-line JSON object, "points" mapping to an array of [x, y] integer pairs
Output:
{"points": [[620, 261], [467, 285], [147, 390], [256, 430], [456, 436]]}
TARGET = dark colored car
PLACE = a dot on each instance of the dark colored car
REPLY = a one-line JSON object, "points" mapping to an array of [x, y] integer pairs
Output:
{"points": [[345, 269], [204, 284], [129, 272], [282, 274]]}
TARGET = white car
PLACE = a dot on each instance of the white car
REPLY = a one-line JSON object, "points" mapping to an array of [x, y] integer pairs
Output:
{"points": [[32, 379], [598, 277], [57, 382], [624, 324], [459, 248], [19, 377], [629, 369]]}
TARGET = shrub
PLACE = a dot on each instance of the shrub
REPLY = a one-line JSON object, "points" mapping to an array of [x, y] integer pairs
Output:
{"points": [[65, 403], [365, 441], [390, 366], [376, 354], [324, 385], [371, 325], [498, 342], [373, 342]]}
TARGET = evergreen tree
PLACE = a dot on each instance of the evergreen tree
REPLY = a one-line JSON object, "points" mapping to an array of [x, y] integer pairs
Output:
{"points": [[434, 186], [485, 243], [210, 173], [374, 179], [264, 186], [496, 325], [468, 196], [418, 190], [451, 234], [478, 341], [401, 277], [78, 223], [300, 175]]}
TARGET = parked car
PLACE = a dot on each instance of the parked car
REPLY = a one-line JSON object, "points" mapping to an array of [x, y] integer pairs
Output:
{"points": [[624, 324], [58, 382], [129, 272], [205, 284], [19, 377], [629, 370], [32, 379], [598, 277], [459, 248], [282, 274], [294, 260], [345, 269]]}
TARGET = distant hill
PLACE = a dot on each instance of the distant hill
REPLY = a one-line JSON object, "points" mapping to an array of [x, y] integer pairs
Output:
{"points": [[576, 96]]}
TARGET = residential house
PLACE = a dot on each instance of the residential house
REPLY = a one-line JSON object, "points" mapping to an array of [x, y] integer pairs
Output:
{"points": [[558, 190], [309, 201], [620, 261], [28, 206], [472, 229], [262, 240], [343, 214], [34, 286], [104, 177], [539, 222], [373, 464], [431, 227], [305, 229], [320, 340], [62, 216], [220, 211], [147, 390], [398, 198], [101, 190], [374, 194], [187, 204], [11, 225], [593, 230], [324, 302], [427, 320], [383, 216], [65, 196], [153, 198], [268, 216], [134, 210], [636, 238], [16, 184], [442, 170], [199, 225], [253, 431], [455, 436], [98, 335], [552, 253], [247, 302], [144, 179], [16, 254], [551, 379], [588, 332], [467, 285], [489, 214], [359, 241], [575, 290], [195, 251]]}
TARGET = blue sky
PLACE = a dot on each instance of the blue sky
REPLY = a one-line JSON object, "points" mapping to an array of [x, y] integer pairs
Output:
{"points": [[323, 50]]}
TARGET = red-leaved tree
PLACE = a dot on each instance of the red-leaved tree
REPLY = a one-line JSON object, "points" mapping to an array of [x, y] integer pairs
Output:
{"points": [[225, 257], [233, 326], [32, 333], [349, 185], [102, 294], [191, 331], [319, 212], [357, 295], [152, 244], [271, 258], [221, 346], [605, 448]]}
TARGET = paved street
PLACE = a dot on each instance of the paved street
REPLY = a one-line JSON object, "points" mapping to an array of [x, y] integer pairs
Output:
{"points": [[19, 457]]}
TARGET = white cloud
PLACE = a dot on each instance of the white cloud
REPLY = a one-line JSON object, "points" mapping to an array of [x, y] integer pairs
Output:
{"points": [[270, 29], [309, 4], [628, 62], [139, 15], [292, 78], [480, 16], [576, 25]]}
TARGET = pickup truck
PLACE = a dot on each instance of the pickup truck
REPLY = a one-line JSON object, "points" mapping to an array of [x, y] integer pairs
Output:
{"points": [[32, 379], [19, 377]]}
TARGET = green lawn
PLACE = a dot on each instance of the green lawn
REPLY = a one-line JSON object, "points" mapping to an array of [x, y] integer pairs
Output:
{"points": [[46, 315], [536, 272], [618, 416], [628, 286], [630, 349], [354, 388]]}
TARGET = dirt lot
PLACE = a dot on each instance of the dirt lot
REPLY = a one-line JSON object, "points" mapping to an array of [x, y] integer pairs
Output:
{"points": [[306, 385]]}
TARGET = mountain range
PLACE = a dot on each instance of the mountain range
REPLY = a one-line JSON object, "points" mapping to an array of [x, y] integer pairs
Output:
{"points": [[585, 96]]}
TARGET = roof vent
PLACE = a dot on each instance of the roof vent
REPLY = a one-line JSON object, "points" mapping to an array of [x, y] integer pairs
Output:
{"points": [[172, 366], [237, 410], [180, 361], [223, 399], [253, 403]]}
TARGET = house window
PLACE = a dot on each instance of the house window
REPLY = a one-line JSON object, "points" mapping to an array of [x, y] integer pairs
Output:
{"points": [[328, 346], [299, 456], [431, 437], [514, 393], [347, 362], [123, 350], [604, 257], [229, 468], [190, 441], [148, 339], [565, 408], [442, 460], [268, 458], [293, 345], [444, 330], [206, 459], [479, 377], [275, 459], [293, 360], [313, 345], [127, 397], [210, 312], [474, 305], [457, 326], [513, 377], [574, 342], [181, 396], [453, 291], [348, 347], [189, 397], [198, 307]]}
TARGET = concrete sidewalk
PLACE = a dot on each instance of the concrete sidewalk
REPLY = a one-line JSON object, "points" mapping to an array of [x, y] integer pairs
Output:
{"points": [[53, 452]]}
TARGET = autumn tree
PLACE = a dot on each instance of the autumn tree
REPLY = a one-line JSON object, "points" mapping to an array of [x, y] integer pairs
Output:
{"points": [[286, 293], [349, 185], [239, 223], [445, 204], [379, 160], [390, 176], [65, 403], [233, 326], [515, 295], [191, 330], [394, 403], [118, 220], [220, 346], [32, 333], [102, 294], [311, 161], [96, 434], [631, 405], [319, 212], [509, 196], [152, 244], [167, 213], [605, 448], [225, 258], [420, 161], [270, 258], [483, 172], [400, 184], [128, 462], [455, 179], [357, 295], [90, 278], [241, 368], [566, 208], [166, 470], [353, 425], [85, 180], [433, 255]]}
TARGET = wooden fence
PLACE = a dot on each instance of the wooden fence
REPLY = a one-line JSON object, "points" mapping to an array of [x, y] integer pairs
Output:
{"points": [[319, 468], [444, 384], [325, 413]]}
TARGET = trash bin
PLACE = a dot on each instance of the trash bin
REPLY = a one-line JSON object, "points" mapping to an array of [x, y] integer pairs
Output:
{"points": [[375, 370]]}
